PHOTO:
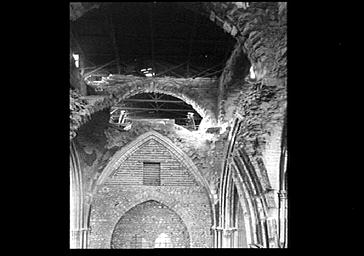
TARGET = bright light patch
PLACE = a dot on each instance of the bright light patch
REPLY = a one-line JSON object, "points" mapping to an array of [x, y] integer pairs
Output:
{"points": [[252, 74], [143, 69], [148, 75], [76, 57]]}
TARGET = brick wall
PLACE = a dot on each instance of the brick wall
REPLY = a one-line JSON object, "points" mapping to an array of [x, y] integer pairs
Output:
{"points": [[124, 189], [143, 224], [172, 172], [206, 152]]}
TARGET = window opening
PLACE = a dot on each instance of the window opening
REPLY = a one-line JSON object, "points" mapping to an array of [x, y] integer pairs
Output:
{"points": [[151, 174]]}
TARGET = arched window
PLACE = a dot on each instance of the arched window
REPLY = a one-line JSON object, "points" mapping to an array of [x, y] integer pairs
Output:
{"points": [[163, 241]]}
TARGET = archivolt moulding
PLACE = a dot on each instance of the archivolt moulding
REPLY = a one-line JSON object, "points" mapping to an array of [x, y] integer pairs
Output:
{"points": [[129, 149]]}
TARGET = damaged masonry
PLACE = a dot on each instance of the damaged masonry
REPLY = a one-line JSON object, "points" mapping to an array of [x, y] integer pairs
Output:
{"points": [[178, 125]]}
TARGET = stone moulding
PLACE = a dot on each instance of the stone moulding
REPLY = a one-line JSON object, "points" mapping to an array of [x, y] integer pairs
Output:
{"points": [[170, 203], [129, 149], [184, 89]]}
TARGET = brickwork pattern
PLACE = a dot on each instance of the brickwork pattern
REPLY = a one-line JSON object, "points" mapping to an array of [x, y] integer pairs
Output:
{"points": [[148, 220], [112, 202], [173, 173], [123, 190], [206, 154]]}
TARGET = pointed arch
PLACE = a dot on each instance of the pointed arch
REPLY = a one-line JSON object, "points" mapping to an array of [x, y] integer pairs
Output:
{"points": [[123, 154], [238, 172]]}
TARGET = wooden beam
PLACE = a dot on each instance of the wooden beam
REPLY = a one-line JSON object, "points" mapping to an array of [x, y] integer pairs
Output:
{"points": [[213, 73], [102, 66], [155, 109], [154, 100], [168, 70], [207, 70]]}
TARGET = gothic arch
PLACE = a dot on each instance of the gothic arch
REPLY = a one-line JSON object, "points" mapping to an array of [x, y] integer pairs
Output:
{"points": [[238, 172], [121, 155], [127, 150], [188, 218]]}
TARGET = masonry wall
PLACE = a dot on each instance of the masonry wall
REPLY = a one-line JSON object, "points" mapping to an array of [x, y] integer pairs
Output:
{"points": [[124, 189], [271, 156], [142, 225], [172, 172], [199, 92]]}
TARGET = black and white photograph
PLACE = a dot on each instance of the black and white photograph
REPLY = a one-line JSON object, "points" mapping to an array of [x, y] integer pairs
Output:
{"points": [[178, 125]]}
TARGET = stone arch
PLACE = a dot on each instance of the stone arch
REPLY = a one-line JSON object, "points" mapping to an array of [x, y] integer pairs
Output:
{"points": [[171, 210], [200, 110], [126, 151], [238, 172], [172, 203], [186, 89]]}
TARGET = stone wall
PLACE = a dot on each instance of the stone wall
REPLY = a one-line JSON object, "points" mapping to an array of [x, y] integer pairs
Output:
{"points": [[111, 203], [261, 102], [271, 156], [82, 109], [97, 142], [91, 147], [200, 93], [205, 150], [124, 189], [141, 226]]}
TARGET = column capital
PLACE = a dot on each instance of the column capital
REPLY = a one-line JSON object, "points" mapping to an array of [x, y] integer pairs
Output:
{"points": [[228, 231], [80, 229], [282, 194], [216, 228]]}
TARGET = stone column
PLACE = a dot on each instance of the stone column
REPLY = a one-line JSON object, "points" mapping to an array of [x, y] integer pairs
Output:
{"points": [[218, 231], [272, 228], [77, 220], [216, 234], [228, 240], [282, 219]]}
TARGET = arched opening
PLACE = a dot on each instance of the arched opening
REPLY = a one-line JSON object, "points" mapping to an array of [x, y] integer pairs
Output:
{"points": [[150, 225], [154, 106]]}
